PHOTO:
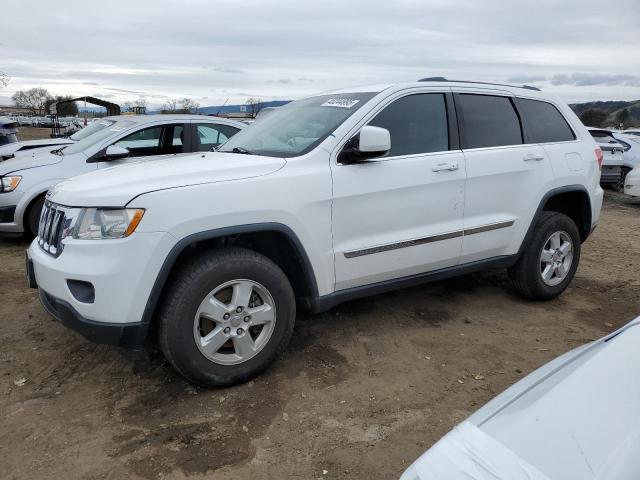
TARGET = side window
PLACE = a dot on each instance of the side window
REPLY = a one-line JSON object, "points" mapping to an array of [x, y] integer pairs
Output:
{"points": [[417, 124], [161, 140], [210, 135], [489, 121], [143, 142], [544, 122]]}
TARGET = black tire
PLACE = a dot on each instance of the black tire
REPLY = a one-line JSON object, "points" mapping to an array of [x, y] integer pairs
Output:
{"points": [[624, 171], [191, 285], [526, 273], [33, 218]]}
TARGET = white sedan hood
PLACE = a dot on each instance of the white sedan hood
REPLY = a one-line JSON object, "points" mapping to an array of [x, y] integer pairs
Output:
{"points": [[118, 185], [30, 159], [44, 142], [577, 417]]}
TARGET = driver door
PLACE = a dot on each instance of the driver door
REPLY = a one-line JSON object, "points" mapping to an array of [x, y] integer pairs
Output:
{"points": [[401, 214]]}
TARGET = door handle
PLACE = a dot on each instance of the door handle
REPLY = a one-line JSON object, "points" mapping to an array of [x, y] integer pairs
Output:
{"points": [[445, 166], [532, 157]]}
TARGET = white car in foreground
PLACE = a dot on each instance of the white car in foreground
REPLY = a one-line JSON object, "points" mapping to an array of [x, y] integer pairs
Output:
{"points": [[575, 418], [25, 179]]}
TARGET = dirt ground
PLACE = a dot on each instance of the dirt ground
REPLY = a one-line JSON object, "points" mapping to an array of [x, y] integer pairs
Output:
{"points": [[33, 133], [362, 391]]}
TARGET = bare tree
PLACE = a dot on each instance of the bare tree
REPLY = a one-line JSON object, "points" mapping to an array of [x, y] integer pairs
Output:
{"points": [[33, 99], [189, 106], [4, 79], [170, 106], [141, 102], [254, 105], [127, 107]]}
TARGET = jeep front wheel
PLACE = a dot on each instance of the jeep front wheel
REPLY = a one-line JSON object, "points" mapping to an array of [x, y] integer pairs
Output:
{"points": [[226, 317]]}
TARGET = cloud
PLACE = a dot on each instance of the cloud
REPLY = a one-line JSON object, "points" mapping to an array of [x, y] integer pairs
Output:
{"points": [[526, 79], [592, 79], [282, 49]]}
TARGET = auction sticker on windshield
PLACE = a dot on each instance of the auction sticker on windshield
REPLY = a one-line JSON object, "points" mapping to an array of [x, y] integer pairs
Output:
{"points": [[340, 102]]}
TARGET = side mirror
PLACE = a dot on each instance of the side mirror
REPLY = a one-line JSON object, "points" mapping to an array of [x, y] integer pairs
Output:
{"points": [[114, 152], [371, 142]]}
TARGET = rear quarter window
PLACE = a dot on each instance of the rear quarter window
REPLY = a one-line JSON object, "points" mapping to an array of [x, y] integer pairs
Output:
{"points": [[545, 124]]}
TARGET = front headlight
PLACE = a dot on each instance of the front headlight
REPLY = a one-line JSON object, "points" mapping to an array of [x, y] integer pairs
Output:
{"points": [[107, 223], [9, 184]]}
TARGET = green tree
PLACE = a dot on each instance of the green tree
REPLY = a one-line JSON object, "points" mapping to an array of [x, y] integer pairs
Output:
{"points": [[66, 109], [593, 117], [623, 117]]}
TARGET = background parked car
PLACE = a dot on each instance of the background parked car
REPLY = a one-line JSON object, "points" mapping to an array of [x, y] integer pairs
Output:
{"points": [[28, 177], [28, 146], [574, 418], [8, 130], [613, 156], [632, 182]]}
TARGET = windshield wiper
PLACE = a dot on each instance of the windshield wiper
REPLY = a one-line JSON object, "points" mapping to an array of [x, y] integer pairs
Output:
{"points": [[58, 151], [241, 150]]}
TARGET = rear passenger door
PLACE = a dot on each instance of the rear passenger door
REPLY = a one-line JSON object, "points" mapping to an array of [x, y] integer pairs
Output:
{"points": [[506, 176], [401, 214]]}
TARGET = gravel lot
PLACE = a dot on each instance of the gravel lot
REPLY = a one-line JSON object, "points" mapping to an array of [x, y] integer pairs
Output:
{"points": [[362, 391]]}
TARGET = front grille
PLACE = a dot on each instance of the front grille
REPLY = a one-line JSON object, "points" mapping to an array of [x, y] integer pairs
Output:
{"points": [[52, 223]]}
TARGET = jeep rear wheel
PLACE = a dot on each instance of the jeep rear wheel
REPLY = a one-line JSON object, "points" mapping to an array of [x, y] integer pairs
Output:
{"points": [[226, 317], [549, 260]]}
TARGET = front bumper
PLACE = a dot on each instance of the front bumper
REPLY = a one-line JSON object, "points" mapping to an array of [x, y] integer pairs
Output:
{"points": [[120, 273], [632, 187], [131, 335]]}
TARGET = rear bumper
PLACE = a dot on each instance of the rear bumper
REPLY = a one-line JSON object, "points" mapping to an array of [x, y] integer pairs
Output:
{"points": [[610, 174], [128, 335]]}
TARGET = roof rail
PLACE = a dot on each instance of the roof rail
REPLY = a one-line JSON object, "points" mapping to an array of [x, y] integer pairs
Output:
{"points": [[442, 79]]}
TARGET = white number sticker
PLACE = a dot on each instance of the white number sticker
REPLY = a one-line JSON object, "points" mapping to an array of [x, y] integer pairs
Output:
{"points": [[340, 102]]}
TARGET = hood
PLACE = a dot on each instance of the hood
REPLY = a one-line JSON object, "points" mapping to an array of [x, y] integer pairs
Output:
{"points": [[31, 144], [574, 418], [118, 185], [35, 158]]}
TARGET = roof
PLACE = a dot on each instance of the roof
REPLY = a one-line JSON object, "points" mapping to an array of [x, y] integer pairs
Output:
{"points": [[112, 108], [445, 84], [173, 116]]}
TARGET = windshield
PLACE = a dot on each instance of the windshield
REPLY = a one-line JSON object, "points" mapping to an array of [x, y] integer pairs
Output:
{"points": [[105, 132], [298, 127], [91, 129]]}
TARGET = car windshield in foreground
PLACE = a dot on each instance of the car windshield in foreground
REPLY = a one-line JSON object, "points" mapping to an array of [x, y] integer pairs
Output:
{"points": [[92, 128], [97, 136], [298, 127]]}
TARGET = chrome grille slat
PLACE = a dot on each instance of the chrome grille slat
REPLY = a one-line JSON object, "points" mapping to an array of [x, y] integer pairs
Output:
{"points": [[50, 228]]}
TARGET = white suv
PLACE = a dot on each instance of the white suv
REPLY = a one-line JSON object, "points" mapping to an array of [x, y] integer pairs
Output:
{"points": [[25, 179], [329, 198]]}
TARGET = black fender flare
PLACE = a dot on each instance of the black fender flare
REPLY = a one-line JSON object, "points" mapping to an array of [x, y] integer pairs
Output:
{"points": [[182, 244], [543, 202]]}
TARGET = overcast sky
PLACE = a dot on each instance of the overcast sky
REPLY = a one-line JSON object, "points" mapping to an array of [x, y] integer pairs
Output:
{"points": [[212, 51]]}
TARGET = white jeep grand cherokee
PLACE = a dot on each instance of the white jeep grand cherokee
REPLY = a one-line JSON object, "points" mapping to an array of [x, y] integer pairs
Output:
{"points": [[332, 197]]}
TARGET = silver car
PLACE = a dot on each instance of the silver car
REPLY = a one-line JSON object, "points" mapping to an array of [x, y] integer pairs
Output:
{"points": [[25, 179]]}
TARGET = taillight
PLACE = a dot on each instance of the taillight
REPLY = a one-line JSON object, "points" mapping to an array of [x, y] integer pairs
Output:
{"points": [[599, 157]]}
